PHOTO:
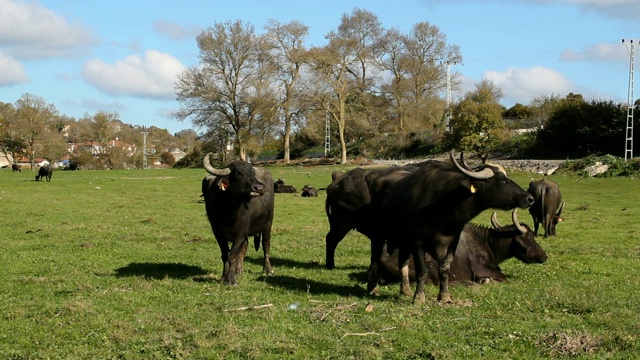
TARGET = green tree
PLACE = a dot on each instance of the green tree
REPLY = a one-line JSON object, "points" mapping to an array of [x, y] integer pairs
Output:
{"points": [[34, 121], [477, 124]]}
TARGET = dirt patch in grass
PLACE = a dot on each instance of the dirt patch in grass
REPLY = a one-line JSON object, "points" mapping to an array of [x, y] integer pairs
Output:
{"points": [[570, 344]]}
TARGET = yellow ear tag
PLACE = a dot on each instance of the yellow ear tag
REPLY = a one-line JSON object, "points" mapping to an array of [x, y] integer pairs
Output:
{"points": [[223, 186], [472, 189]]}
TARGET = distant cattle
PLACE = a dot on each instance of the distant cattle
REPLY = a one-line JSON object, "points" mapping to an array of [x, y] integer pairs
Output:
{"points": [[426, 211], [15, 167], [478, 255], [45, 172], [547, 207], [280, 187], [309, 191], [240, 203]]}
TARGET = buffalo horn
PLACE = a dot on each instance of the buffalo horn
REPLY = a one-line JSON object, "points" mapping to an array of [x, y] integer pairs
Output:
{"points": [[494, 221], [485, 173], [560, 209], [514, 218], [464, 163], [213, 171]]}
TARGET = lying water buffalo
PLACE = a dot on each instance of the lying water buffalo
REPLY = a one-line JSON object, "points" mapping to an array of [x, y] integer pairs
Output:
{"points": [[309, 191], [45, 172], [280, 187], [548, 200], [240, 202], [478, 255]]}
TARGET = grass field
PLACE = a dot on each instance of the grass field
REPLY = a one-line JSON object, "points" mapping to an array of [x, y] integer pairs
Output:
{"points": [[123, 264]]}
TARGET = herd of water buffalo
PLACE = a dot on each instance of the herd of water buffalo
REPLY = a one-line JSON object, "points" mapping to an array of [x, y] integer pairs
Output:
{"points": [[416, 217]]}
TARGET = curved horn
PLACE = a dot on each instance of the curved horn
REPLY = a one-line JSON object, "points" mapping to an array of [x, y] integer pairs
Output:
{"points": [[560, 209], [464, 163], [485, 173], [494, 221], [213, 171], [514, 218]]}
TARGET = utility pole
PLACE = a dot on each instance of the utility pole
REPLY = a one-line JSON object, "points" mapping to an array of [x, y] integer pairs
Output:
{"points": [[628, 147], [144, 148], [327, 134]]}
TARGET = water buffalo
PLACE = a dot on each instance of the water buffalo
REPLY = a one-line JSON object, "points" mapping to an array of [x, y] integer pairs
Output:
{"points": [[349, 203], [15, 167], [426, 211], [548, 200], [280, 187], [309, 191], [239, 201], [45, 172], [478, 255]]}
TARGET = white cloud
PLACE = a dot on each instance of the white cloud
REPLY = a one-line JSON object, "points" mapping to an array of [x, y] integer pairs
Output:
{"points": [[28, 30], [176, 31], [11, 71], [522, 85], [151, 76]]}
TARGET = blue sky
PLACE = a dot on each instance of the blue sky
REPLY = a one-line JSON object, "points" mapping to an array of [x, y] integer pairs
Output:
{"points": [[123, 55]]}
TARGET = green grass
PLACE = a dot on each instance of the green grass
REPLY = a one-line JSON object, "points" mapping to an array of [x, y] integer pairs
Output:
{"points": [[123, 264]]}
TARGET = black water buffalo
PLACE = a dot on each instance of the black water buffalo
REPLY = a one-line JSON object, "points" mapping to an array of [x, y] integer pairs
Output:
{"points": [[44, 172], [280, 187], [309, 191], [478, 255], [15, 167], [547, 207], [239, 201], [349, 203], [426, 211]]}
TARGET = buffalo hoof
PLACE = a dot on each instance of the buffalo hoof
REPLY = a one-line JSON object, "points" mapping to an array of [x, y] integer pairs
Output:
{"points": [[419, 298], [445, 298], [405, 290], [267, 271]]}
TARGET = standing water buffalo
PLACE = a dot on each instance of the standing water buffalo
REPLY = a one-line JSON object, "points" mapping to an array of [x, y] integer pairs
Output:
{"points": [[478, 255], [426, 211], [548, 200], [15, 167], [239, 201], [45, 172], [309, 191], [349, 203]]}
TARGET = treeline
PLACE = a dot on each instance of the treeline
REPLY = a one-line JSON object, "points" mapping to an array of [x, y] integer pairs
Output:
{"points": [[35, 129], [380, 91]]}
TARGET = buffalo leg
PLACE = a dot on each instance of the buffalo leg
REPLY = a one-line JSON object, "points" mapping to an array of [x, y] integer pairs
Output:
{"points": [[421, 271], [403, 266], [233, 260], [266, 246], [444, 268], [224, 252], [372, 272], [334, 236], [242, 252]]}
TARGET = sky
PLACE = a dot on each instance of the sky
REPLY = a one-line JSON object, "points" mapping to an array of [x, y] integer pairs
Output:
{"points": [[124, 55]]}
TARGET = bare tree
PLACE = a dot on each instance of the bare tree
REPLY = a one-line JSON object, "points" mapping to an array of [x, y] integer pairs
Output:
{"points": [[225, 86], [288, 55]]}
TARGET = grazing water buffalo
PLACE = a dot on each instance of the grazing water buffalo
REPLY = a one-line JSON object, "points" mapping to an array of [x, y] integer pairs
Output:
{"points": [[45, 172], [426, 211], [280, 187], [548, 200], [478, 255], [239, 201], [309, 191], [15, 167]]}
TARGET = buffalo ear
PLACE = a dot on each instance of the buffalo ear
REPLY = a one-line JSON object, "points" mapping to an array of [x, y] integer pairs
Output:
{"points": [[223, 184], [468, 185]]}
